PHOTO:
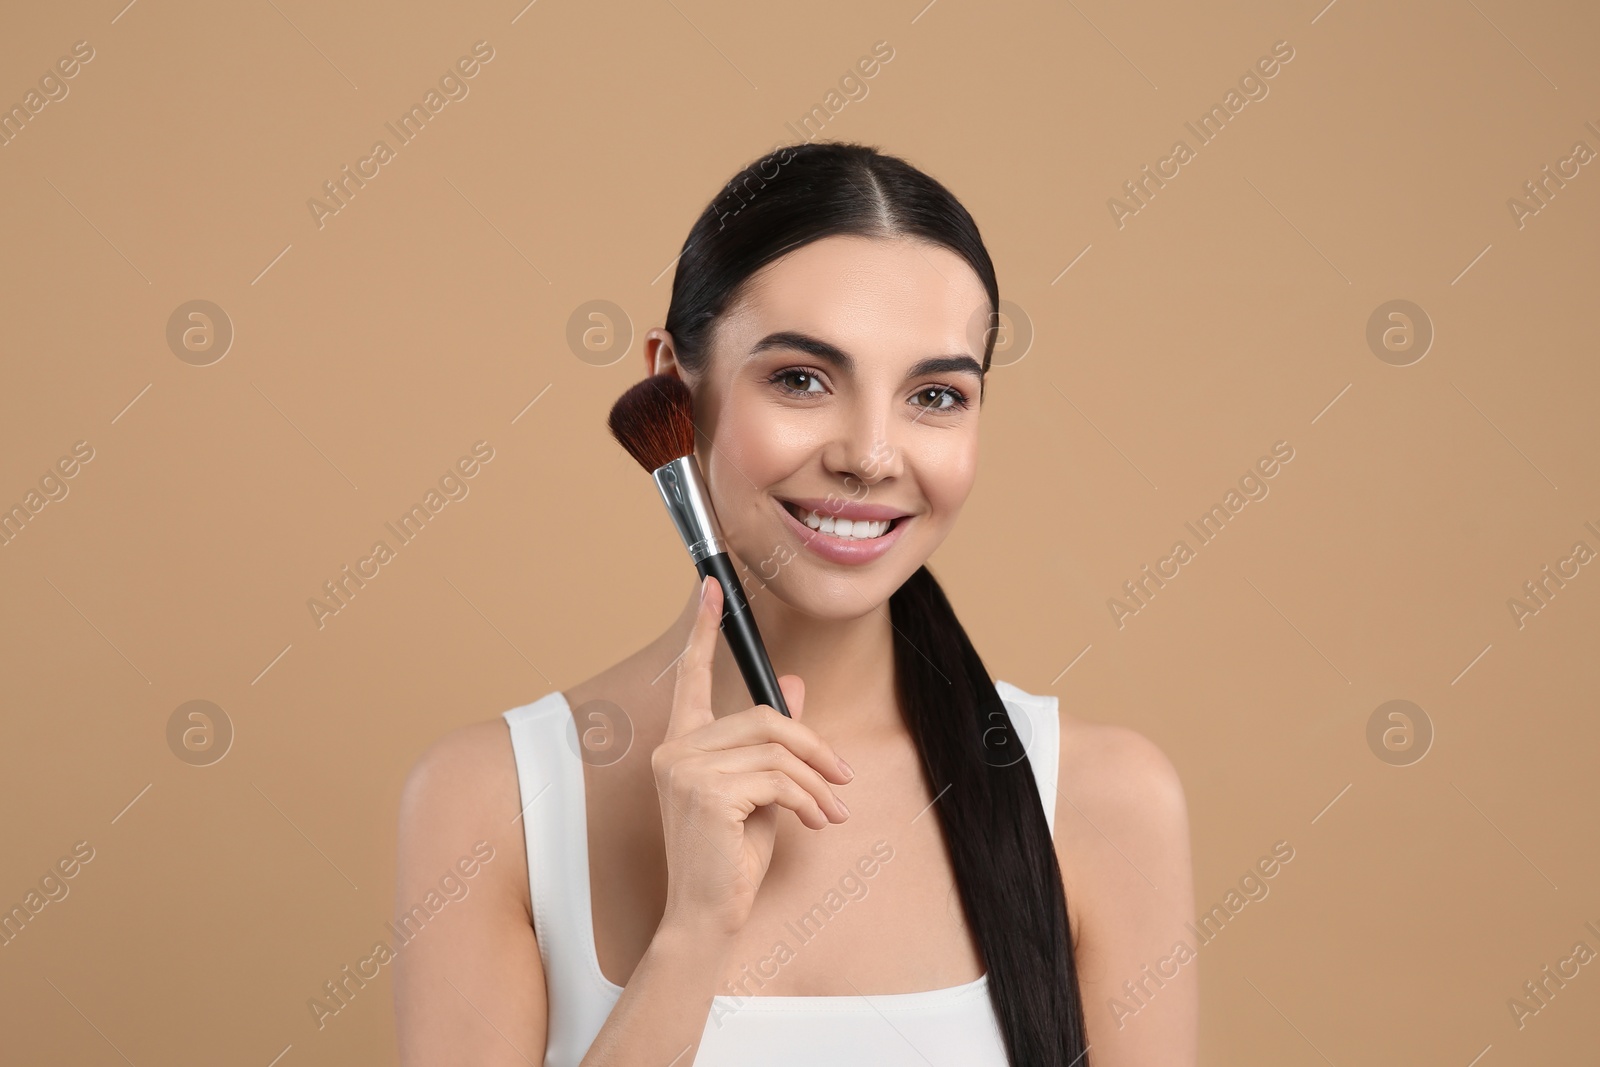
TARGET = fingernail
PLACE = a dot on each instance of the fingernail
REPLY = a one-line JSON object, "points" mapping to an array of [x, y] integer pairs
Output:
{"points": [[845, 767], [703, 583], [842, 805]]}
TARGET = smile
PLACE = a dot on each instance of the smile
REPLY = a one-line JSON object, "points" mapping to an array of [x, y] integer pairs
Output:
{"points": [[859, 530], [841, 540]]}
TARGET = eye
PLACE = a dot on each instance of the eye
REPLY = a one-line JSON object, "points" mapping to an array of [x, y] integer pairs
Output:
{"points": [[797, 374], [941, 398]]}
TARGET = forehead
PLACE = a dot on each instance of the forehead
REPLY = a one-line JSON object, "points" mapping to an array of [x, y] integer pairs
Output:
{"points": [[896, 297]]}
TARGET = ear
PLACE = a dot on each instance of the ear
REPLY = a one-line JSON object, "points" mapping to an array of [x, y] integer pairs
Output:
{"points": [[660, 355]]}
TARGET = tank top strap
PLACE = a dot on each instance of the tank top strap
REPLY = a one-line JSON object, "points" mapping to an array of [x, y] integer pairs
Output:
{"points": [[1038, 720], [550, 787]]}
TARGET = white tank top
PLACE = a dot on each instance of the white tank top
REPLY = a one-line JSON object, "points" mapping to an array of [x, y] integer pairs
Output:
{"points": [[954, 1026]]}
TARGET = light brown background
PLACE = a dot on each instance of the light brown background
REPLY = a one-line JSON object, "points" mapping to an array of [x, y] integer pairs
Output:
{"points": [[369, 354]]}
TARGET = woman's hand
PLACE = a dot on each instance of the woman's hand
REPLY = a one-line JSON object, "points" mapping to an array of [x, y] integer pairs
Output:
{"points": [[721, 782]]}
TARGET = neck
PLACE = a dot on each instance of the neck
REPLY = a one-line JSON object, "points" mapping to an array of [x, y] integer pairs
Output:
{"points": [[847, 664]]}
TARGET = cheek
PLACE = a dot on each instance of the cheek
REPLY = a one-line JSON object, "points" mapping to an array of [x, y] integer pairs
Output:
{"points": [[751, 453], [746, 450], [946, 471]]}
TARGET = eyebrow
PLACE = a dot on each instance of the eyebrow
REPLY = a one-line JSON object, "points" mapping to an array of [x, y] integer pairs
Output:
{"points": [[831, 353]]}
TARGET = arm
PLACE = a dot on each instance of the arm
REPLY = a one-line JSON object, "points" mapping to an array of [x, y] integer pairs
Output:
{"points": [[475, 991], [469, 986], [662, 1012], [1122, 837]]}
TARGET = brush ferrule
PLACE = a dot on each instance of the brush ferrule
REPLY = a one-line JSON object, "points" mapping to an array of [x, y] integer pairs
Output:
{"points": [[689, 505]]}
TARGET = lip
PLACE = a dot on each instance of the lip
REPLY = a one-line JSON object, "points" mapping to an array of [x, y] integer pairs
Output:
{"points": [[840, 549], [844, 509]]}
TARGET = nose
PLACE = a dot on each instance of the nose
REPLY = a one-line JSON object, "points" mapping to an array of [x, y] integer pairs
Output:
{"points": [[863, 451]]}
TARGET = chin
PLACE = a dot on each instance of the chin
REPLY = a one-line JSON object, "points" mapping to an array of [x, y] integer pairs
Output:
{"points": [[823, 590]]}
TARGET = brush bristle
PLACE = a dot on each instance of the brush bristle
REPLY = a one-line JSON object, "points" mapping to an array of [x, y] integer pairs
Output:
{"points": [[654, 421]]}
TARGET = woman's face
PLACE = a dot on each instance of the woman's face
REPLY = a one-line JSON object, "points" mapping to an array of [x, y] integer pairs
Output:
{"points": [[843, 382]]}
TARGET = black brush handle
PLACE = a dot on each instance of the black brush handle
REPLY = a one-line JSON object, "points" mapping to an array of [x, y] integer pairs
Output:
{"points": [[744, 640]]}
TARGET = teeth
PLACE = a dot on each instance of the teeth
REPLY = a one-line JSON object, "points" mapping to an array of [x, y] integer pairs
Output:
{"points": [[859, 530]]}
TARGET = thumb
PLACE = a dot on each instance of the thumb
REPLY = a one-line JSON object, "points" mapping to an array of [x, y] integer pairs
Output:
{"points": [[794, 694]]}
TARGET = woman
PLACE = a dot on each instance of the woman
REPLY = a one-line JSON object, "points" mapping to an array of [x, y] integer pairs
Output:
{"points": [[708, 897]]}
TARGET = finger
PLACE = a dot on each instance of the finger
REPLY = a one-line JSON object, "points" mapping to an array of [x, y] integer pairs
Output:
{"points": [[759, 788], [760, 724], [691, 692], [774, 756]]}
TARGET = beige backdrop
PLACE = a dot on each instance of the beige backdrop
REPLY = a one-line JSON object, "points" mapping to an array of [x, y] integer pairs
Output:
{"points": [[234, 456]]}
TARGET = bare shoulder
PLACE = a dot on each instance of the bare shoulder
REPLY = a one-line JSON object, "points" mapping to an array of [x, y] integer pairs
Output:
{"points": [[1122, 820], [466, 950], [1117, 772], [1122, 838], [465, 752], [461, 790]]}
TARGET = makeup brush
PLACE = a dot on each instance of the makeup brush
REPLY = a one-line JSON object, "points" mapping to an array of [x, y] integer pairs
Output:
{"points": [[654, 421]]}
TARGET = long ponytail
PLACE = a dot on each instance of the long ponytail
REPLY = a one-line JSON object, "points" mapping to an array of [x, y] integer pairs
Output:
{"points": [[994, 824], [990, 811]]}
